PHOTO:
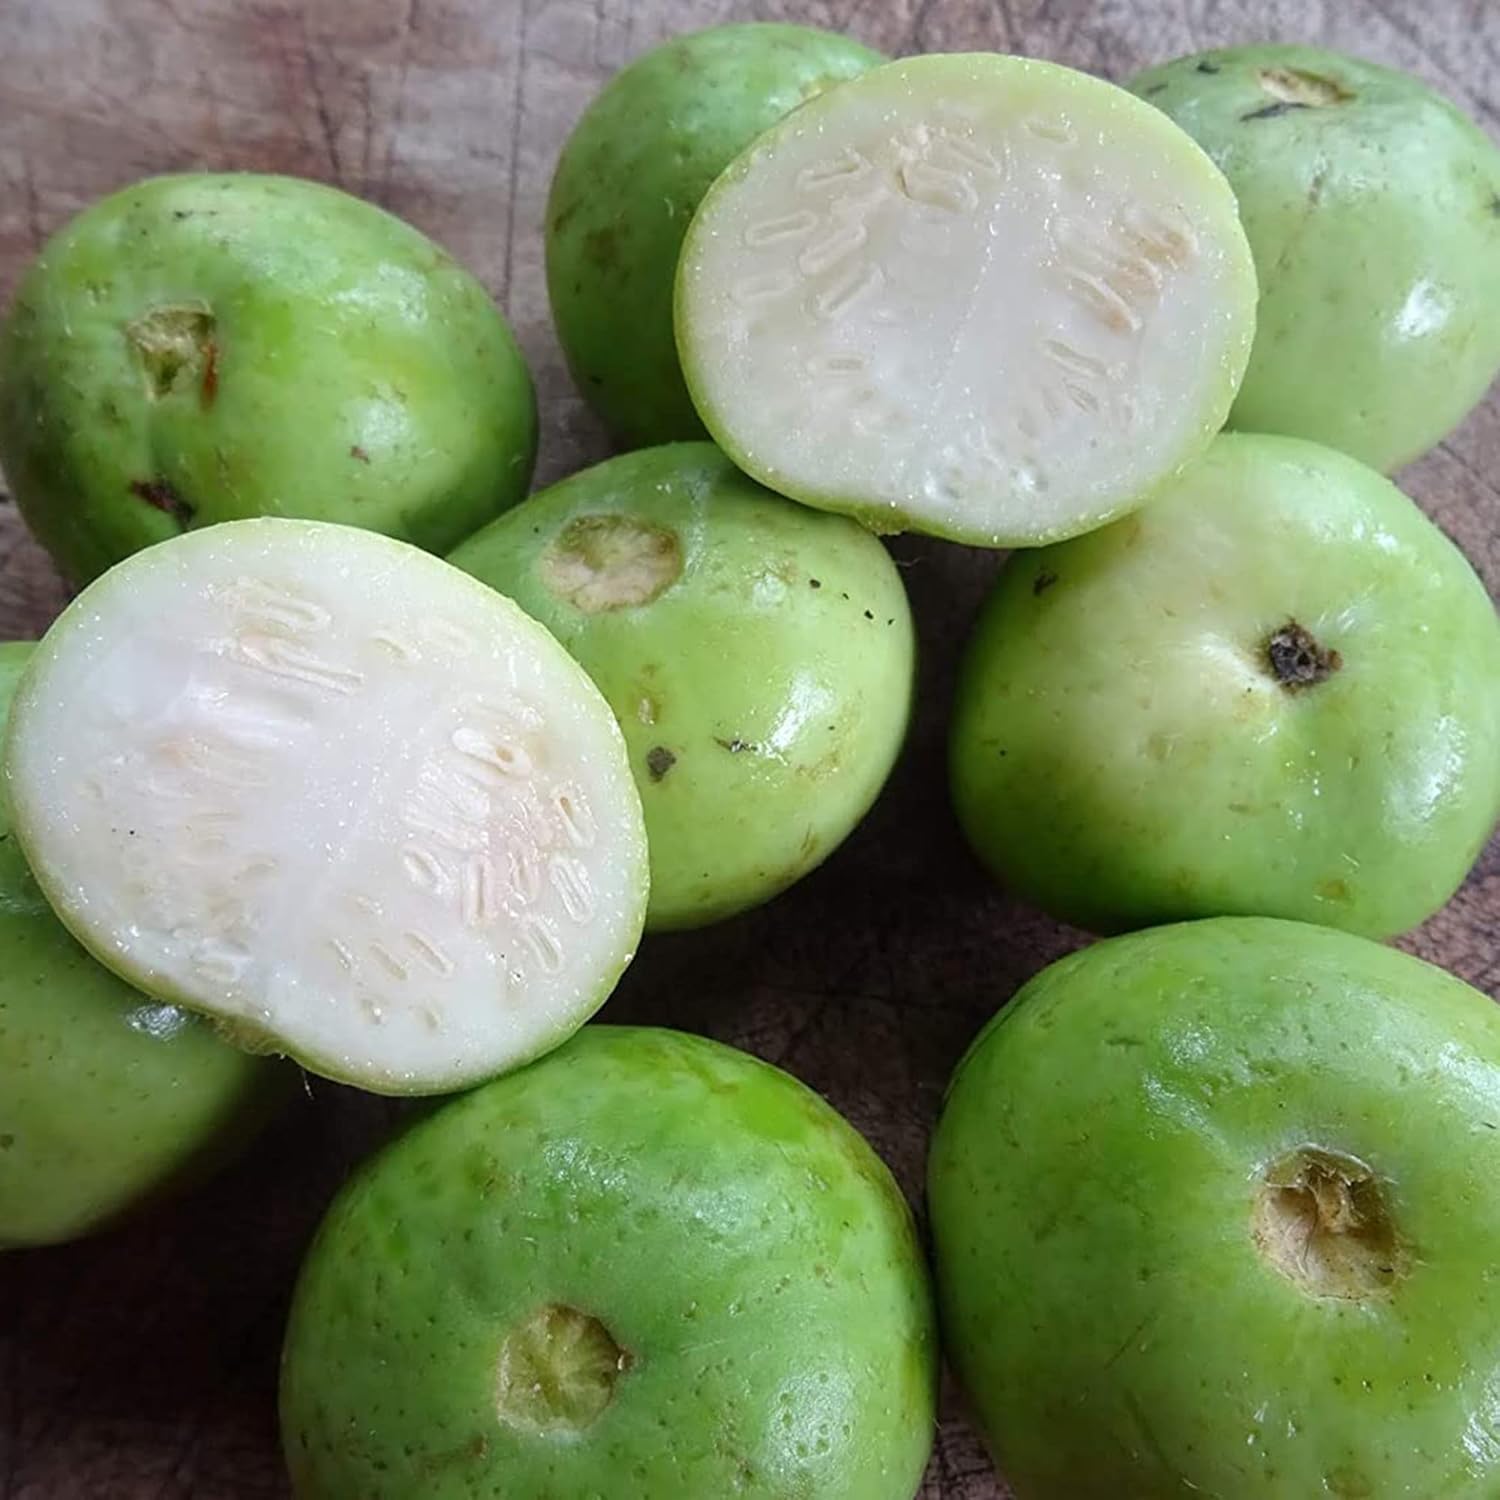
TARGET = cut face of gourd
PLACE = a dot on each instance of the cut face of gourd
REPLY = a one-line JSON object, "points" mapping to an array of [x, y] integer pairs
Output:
{"points": [[977, 296], [335, 793]]}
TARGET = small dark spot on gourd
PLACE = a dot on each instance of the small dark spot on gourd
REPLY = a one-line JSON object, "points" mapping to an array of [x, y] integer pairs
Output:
{"points": [[209, 389], [868, 615], [163, 494], [1272, 111], [659, 760], [817, 583], [1209, 67], [602, 247], [358, 454], [734, 746], [1043, 581]]}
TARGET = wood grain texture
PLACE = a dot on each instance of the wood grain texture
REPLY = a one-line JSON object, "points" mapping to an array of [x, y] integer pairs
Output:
{"points": [[142, 1366]]}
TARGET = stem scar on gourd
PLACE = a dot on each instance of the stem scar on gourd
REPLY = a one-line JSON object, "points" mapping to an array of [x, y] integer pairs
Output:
{"points": [[557, 1371], [605, 562], [1322, 1219], [1297, 659]]}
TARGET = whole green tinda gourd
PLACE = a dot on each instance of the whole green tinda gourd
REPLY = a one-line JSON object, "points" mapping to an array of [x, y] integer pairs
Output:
{"points": [[630, 176], [107, 1099], [1214, 1213], [1372, 206], [758, 655], [1273, 691], [205, 348], [648, 1267]]}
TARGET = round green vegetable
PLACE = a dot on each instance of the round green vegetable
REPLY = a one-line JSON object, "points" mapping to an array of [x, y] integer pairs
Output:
{"points": [[1214, 1214], [107, 1099], [1275, 690], [648, 1267], [201, 348], [335, 793], [630, 176], [979, 296], [1373, 207], [758, 655]]}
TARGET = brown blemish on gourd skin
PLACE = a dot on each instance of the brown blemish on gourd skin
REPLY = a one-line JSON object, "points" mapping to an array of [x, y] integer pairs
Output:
{"points": [[1296, 89], [1302, 89], [659, 760], [209, 389], [164, 496], [602, 247], [1272, 111]]}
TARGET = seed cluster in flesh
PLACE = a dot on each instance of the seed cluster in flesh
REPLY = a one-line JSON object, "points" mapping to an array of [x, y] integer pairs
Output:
{"points": [[980, 313], [359, 817], [215, 767]]}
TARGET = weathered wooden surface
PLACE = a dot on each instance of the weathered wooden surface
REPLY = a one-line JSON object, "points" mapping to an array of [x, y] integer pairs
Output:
{"points": [[144, 1365]]}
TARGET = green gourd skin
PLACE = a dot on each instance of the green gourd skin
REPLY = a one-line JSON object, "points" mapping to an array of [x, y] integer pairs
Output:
{"points": [[763, 691], [1372, 205], [1124, 751], [1094, 1187], [746, 1262], [634, 169], [202, 348], [108, 1100]]}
